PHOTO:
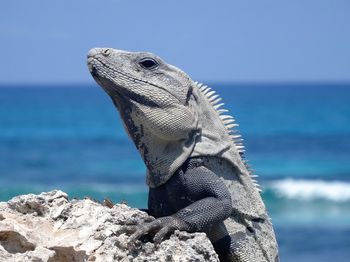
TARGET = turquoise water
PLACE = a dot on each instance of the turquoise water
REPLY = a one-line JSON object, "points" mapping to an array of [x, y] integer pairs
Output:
{"points": [[297, 138]]}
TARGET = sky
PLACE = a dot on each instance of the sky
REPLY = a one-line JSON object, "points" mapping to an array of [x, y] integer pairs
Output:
{"points": [[226, 41]]}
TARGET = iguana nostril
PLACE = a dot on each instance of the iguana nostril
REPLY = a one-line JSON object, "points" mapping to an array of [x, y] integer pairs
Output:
{"points": [[92, 52]]}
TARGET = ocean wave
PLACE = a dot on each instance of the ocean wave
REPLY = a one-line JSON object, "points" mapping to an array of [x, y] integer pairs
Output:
{"points": [[303, 189]]}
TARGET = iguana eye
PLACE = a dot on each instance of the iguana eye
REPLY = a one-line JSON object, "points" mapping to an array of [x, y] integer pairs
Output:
{"points": [[106, 52], [148, 63]]}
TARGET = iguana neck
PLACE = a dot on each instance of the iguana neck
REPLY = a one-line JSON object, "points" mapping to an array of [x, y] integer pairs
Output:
{"points": [[217, 129]]}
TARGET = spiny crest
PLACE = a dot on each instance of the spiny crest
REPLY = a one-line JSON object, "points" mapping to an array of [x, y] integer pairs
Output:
{"points": [[227, 120], [229, 123]]}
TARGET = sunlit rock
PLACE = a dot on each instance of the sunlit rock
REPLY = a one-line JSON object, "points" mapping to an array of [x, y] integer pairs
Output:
{"points": [[49, 227]]}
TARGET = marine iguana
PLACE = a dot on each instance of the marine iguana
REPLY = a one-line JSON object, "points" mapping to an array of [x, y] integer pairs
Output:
{"points": [[197, 178]]}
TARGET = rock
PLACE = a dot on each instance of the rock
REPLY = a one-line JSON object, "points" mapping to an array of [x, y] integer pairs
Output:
{"points": [[49, 227]]}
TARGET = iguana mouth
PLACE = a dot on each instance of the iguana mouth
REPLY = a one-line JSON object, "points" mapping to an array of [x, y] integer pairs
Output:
{"points": [[133, 79], [90, 64], [114, 89], [93, 70]]}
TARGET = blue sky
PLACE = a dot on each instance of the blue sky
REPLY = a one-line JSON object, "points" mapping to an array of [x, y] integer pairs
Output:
{"points": [[241, 41]]}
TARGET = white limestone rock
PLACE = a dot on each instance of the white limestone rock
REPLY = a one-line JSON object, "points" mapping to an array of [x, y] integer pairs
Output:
{"points": [[49, 227]]}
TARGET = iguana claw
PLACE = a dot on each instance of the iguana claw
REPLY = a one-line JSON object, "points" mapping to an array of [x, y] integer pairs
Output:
{"points": [[162, 226]]}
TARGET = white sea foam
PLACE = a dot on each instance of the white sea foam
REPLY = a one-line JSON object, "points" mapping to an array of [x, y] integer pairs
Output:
{"points": [[312, 189]]}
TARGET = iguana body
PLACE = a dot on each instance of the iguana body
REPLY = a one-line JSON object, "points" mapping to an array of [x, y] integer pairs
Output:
{"points": [[197, 178]]}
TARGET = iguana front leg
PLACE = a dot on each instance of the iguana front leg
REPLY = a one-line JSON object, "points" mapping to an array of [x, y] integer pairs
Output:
{"points": [[193, 200]]}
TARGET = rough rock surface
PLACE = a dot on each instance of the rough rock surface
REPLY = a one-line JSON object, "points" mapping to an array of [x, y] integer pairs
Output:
{"points": [[49, 227]]}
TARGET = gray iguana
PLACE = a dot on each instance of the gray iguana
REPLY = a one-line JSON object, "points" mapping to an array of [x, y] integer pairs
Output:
{"points": [[198, 181]]}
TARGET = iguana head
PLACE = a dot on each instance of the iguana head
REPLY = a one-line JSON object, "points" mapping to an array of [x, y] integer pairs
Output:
{"points": [[139, 76], [153, 99], [168, 116]]}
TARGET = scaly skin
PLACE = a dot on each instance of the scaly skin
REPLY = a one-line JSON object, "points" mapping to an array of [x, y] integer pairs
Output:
{"points": [[197, 178]]}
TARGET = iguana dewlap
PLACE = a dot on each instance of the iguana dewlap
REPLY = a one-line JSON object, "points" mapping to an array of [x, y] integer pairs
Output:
{"points": [[197, 178]]}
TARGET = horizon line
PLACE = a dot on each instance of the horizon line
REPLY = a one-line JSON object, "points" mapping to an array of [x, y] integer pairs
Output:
{"points": [[233, 82]]}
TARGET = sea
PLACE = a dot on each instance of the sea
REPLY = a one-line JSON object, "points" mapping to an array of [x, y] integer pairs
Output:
{"points": [[297, 139]]}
